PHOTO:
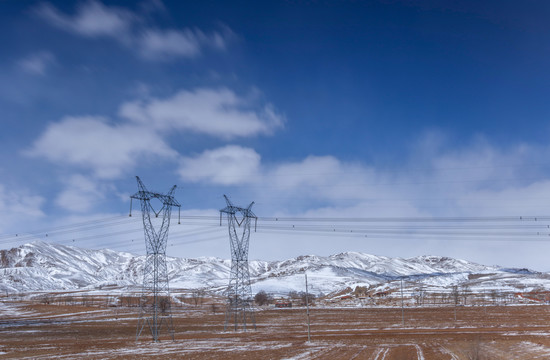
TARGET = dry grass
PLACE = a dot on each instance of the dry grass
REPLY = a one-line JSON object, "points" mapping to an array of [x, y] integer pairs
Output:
{"points": [[43, 331]]}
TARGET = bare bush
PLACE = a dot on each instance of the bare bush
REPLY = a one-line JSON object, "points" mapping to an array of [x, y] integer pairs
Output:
{"points": [[262, 298]]}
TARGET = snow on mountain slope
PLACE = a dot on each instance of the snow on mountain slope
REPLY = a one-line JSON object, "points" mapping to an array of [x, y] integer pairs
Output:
{"points": [[41, 266]]}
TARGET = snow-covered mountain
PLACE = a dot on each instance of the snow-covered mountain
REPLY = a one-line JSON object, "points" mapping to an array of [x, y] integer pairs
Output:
{"points": [[42, 266]]}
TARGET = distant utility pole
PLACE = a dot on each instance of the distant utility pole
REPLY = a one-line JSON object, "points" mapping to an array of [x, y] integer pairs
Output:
{"points": [[155, 303], [455, 295], [307, 311], [239, 292], [402, 307]]}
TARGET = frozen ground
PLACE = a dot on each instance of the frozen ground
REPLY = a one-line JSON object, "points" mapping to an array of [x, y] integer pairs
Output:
{"points": [[31, 330]]}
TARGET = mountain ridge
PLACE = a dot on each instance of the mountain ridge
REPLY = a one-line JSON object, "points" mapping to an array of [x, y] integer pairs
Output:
{"points": [[42, 266]]}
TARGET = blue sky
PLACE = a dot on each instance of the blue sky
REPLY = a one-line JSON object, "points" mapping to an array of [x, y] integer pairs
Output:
{"points": [[318, 109]]}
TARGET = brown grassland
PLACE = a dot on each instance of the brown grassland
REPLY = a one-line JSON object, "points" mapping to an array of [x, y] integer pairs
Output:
{"points": [[36, 330]]}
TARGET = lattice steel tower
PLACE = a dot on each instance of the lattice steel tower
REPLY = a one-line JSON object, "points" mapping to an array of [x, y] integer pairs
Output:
{"points": [[155, 301], [239, 293]]}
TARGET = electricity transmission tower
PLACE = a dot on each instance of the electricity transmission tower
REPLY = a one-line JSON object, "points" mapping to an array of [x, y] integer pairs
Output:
{"points": [[239, 292], [155, 304]]}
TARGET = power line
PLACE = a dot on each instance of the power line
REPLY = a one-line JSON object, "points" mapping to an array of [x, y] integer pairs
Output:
{"points": [[488, 228], [63, 227]]}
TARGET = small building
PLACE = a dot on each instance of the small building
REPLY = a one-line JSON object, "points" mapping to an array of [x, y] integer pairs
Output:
{"points": [[283, 304]]}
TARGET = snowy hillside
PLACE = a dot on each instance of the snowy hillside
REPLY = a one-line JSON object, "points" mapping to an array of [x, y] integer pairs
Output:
{"points": [[41, 266]]}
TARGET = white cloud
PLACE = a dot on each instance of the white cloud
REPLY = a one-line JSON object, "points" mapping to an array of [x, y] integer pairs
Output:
{"points": [[91, 19], [157, 43], [317, 171], [218, 40], [94, 19], [226, 166], [153, 6], [216, 112], [20, 202], [80, 195], [477, 180], [110, 150], [37, 63], [167, 44], [92, 143], [17, 207]]}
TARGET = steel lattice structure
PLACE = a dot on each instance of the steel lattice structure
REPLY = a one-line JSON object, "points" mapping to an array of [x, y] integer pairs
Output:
{"points": [[239, 293], [155, 301]]}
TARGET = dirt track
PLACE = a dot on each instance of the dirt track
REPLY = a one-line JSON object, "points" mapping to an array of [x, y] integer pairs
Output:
{"points": [[504, 332]]}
